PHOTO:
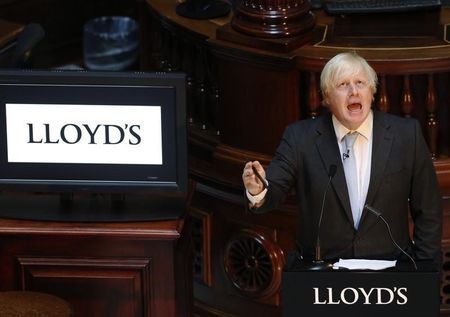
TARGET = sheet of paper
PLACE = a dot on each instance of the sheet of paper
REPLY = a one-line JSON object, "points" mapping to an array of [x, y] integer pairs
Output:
{"points": [[361, 264]]}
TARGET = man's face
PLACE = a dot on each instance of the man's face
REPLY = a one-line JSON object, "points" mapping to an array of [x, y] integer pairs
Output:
{"points": [[350, 99]]}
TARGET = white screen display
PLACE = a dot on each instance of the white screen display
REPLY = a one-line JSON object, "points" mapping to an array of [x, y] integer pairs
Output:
{"points": [[91, 134]]}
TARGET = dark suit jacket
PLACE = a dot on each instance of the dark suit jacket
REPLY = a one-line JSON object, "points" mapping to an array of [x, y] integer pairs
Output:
{"points": [[402, 179]]}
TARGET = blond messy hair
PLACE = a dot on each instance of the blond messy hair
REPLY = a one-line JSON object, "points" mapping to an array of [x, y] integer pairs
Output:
{"points": [[346, 64]]}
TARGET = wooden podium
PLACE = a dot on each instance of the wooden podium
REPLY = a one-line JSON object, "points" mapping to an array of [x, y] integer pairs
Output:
{"points": [[134, 268], [389, 293]]}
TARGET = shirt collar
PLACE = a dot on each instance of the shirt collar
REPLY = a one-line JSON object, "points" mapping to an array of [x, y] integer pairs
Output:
{"points": [[365, 129]]}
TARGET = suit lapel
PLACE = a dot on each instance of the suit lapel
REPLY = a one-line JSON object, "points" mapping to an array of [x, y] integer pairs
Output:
{"points": [[381, 149], [329, 152]]}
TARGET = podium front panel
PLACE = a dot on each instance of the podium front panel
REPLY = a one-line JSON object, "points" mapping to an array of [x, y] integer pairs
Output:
{"points": [[360, 293]]}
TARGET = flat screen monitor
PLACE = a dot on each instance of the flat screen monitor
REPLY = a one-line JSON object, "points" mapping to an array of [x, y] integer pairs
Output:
{"points": [[92, 131]]}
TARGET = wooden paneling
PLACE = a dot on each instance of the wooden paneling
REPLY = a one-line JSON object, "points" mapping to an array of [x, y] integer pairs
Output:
{"points": [[97, 286], [136, 269]]}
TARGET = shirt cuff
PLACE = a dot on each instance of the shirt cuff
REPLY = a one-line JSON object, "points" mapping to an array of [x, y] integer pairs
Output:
{"points": [[255, 200]]}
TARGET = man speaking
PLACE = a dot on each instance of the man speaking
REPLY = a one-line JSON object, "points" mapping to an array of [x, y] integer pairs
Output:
{"points": [[369, 158]]}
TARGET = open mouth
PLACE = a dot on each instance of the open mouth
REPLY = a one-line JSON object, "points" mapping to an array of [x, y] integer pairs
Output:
{"points": [[354, 107]]}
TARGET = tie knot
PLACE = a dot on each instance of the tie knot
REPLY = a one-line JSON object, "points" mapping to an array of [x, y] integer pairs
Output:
{"points": [[350, 139]]}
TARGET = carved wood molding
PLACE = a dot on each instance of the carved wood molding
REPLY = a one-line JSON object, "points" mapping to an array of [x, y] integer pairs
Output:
{"points": [[119, 283], [253, 264]]}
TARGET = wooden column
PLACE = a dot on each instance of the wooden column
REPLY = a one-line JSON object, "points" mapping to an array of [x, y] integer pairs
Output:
{"points": [[273, 25], [313, 96], [407, 99], [273, 18], [383, 101]]}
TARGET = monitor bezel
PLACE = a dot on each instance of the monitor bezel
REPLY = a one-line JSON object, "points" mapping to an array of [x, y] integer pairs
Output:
{"points": [[153, 80]]}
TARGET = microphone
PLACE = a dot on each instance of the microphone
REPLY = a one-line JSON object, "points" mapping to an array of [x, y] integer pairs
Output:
{"points": [[345, 155], [318, 264], [378, 214]]}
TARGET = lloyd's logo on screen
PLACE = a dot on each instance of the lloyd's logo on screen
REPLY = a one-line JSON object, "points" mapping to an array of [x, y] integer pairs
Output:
{"points": [[360, 295], [91, 134]]}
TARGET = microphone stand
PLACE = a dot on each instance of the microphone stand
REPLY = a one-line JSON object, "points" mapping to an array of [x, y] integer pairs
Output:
{"points": [[379, 215], [318, 264]]}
